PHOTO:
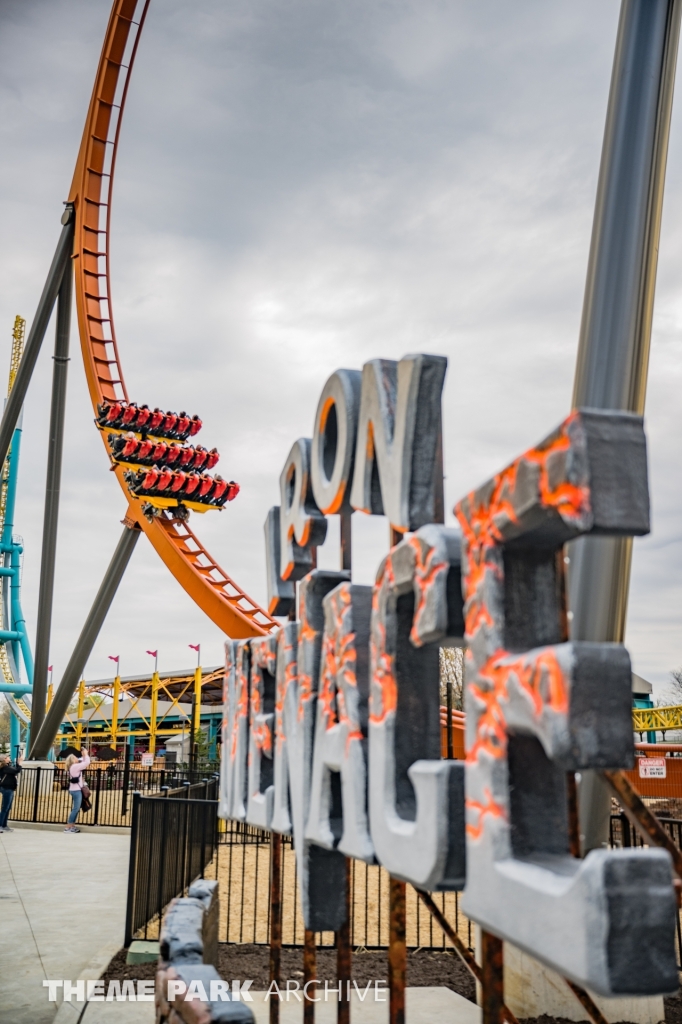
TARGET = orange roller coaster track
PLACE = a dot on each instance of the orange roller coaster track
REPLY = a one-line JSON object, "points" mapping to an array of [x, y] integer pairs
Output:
{"points": [[198, 573]]}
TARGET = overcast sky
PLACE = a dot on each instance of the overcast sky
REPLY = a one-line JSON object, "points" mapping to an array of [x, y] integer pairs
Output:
{"points": [[309, 184]]}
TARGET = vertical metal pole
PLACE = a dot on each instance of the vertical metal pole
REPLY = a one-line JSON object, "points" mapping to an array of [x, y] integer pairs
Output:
{"points": [[98, 787], [114, 712], [197, 708], [309, 975], [36, 792], [448, 699], [275, 920], [132, 871], [345, 521], [154, 713], [52, 493], [615, 333], [79, 712], [344, 956], [192, 738], [573, 816], [397, 952], [126, 781], [492, 982]]}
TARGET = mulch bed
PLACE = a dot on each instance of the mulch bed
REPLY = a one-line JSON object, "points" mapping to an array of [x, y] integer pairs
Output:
{"points": [[424, 968]]}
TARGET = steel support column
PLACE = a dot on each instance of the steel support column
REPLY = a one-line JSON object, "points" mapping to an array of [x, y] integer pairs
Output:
{"points": [[15, 400], [615, 333], [74, 670], [52, 492]]}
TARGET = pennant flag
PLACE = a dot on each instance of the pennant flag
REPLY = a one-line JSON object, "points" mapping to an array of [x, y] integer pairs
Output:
{"points": [[195, 647], [49, 668], [113, 658], [153, 653]]}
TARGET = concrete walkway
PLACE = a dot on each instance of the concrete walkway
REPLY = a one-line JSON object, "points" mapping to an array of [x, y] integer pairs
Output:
{"points": [[62, 908], [423, 1006]]}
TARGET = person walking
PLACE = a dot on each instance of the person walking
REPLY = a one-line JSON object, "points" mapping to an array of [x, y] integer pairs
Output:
{"points": [[8, 787], [75, 766]]}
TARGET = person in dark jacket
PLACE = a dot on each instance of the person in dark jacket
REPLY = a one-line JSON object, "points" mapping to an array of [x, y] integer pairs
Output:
{"points": [[8, 787]]}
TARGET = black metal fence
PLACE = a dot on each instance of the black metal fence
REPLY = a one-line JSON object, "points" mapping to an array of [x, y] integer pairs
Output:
{"points": [[242, 866], [42, 797], [170, 847], [171, 842]]}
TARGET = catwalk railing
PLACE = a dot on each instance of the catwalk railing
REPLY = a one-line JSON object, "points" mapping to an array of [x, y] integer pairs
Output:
{"points": [[41, 796]]}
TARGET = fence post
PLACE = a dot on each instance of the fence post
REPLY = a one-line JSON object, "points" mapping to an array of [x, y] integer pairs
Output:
{"points": [[343, 956], [626, 838], [132, 871], [98, 786], [275, 918], [448, 692], [162, 873], [36, 793], [126, 782], [397, 952], [492, 982], [309, 974]]}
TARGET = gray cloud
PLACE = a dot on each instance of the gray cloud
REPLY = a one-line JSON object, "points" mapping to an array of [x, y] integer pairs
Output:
{"points": [[305, 185]]}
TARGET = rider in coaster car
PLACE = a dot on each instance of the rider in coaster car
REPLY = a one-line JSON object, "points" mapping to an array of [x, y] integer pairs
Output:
{"points": [[141, 481], [102, 412], [178, 482], [164, 481], [129, 415], [143, 414], [212, 458], [114, 414], [169, 422], [116, 443], [186, 456], [192, 482], [145, 449], [183, 425], [205, 488], [200, 456], [149, 479], [129, 447], [195, 426], [173, 454], [159, 452], [218, 495], [155, 421], [233, 490]]}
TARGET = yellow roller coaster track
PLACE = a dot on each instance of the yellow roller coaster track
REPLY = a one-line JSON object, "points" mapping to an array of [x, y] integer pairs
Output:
{"points": [[657, 719], [91, 191]]}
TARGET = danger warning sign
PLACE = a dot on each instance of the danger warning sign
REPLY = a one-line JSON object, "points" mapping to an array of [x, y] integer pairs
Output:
{"points": [[652, 768]]}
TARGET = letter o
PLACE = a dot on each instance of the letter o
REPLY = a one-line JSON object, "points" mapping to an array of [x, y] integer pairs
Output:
{"points": [[333, 448]]}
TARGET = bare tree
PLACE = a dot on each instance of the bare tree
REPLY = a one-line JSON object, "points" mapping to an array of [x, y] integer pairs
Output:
{"points": [[676, 685], [452, 673]]}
